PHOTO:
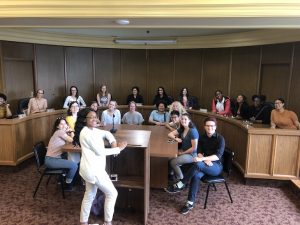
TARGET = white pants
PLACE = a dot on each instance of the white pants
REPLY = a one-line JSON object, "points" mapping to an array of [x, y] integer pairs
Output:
{"points": [[106, 186]]}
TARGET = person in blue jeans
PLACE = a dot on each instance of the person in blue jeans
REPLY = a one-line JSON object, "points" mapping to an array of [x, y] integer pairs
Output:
{"points": [[187, 136], [61, 135], [208, 161]]}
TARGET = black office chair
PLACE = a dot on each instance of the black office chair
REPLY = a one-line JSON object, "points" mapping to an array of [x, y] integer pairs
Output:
{"points": [[40, 151], [22, 105], [212, 180]]}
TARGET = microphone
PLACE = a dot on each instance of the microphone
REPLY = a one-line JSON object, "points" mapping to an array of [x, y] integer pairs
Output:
{"points": [[113, 130]]}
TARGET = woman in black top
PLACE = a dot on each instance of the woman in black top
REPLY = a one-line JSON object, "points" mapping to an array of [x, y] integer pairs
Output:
{"points": [[240, 108], [162, 96], [135, 96]]}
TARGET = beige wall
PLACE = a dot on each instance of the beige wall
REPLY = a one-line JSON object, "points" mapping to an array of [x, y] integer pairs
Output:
{"points": [[273, 70]]}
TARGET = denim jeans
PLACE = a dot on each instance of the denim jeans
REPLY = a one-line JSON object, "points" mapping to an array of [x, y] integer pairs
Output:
{"points": [[58, 163], [196, 172], [175, 164]]}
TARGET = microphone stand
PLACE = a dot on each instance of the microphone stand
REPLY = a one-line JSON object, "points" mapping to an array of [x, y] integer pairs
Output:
{"points": [[113, 130]]}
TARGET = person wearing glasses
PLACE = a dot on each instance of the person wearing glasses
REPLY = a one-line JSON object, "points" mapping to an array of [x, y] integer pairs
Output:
{"points": [[4, 107], [283, 118], [207, 161], [93, 163], [187, 136], [175, 121], [221, 104], [61, 135], [74, 96], [38, 103]]}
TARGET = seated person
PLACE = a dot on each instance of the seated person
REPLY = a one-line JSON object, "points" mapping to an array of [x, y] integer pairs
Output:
{"points": [[208, 161], [135, 96], [37, 104], [94, 107], [4, 107], [187, 135], [185, 99], [62, 134], [162, 96], [283, 118], [103, 97], [111, 115], [176, 105], [221, 104], [74, 96], [132, 117], [240, 108], [259, 112], [160, 116], [175, 121], [71, 119]]}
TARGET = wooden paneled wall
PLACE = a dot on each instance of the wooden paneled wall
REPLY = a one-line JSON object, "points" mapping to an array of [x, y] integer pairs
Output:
{"points": [[273, 70]]}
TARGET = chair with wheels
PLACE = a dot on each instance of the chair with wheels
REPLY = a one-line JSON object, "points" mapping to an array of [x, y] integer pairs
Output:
{"points": [[40, 151], [212, 180]]}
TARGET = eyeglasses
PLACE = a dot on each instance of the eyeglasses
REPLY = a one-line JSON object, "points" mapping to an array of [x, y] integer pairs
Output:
{"points": [[73, 90], [92, 117], [60, 118], [277, 103]]}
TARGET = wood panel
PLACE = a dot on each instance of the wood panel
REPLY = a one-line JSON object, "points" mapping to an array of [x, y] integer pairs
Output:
{"points": [[24, 140], [133, 72], [259, 158], [18, 81], [215, 74], [107, 71], [17, 50], [161, 72], [294, 97], [79, 71], [7, 146], [277, 54], [274, 81], [50, 74], [245, 69], [188, 72], [286, 153]]}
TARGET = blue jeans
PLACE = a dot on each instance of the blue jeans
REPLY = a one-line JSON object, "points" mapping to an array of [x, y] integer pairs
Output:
{"points": [[175, 163], [58, 163], [196, 172]]}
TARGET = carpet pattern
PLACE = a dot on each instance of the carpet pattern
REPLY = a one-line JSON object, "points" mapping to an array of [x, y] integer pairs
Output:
{"points": [[252, 204]]}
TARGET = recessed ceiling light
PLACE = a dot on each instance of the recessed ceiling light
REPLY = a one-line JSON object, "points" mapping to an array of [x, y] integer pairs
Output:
{"points": [[122, 22]]}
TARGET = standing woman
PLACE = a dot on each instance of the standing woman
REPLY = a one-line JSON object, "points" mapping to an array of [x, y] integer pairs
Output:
{"points": [[92, 164], [74, 96], [38, 103], [283, 118], [187, 135], [111, 115], [71, 120], [61, 135], [103, 97]]}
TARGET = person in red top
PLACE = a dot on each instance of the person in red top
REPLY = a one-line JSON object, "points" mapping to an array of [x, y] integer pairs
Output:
{"points": [[221, 104]]}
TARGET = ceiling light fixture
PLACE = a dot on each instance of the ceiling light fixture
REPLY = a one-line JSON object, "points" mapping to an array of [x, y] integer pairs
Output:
{"points": [[123, 22], [146, 42]]}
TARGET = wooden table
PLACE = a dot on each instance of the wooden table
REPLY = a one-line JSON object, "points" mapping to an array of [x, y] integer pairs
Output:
{"points": [[160, 150]]}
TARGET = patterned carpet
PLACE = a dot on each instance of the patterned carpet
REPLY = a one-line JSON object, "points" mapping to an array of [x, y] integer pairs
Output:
{"points": [[260, 204]]}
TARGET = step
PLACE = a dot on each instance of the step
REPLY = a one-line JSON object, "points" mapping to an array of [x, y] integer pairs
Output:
{"points": [[296, 182]]}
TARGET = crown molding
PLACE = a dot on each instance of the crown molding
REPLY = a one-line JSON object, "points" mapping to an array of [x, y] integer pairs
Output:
{"points": [[147, 9], [251, 38]]}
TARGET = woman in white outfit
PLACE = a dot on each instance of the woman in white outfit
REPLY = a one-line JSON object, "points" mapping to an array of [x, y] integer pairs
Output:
{"points": [[92, 164]]}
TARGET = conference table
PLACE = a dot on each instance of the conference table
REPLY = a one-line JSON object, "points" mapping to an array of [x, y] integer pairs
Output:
{"points": [[260, 152], [161, 150]]}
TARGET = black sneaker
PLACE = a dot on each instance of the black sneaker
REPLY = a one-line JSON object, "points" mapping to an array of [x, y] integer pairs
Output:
{"points": [[185, 209], [173, 189], [68, 187]]}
